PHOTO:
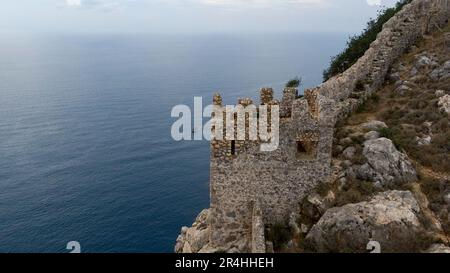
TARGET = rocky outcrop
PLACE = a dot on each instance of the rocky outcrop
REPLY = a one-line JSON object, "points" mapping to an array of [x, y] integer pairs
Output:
{"points": [[196, 238], [438, 248], [390, 218], [373, 125], [441, 73], [444, 104], [385, 164]]}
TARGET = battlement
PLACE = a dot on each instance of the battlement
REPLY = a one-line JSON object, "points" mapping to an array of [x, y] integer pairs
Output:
{"points": [[244, 129]]}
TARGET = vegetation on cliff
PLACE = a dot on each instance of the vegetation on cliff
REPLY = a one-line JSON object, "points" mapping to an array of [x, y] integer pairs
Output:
{"points": [[358, 44]]}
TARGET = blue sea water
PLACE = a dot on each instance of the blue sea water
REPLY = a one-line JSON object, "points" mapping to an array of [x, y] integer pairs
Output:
{"points": [[85, 147]]}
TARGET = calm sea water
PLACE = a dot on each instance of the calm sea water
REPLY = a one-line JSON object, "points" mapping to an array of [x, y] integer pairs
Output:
{"points": [[85, 146]]}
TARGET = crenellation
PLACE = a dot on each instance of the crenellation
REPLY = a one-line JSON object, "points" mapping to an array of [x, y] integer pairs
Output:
{"points": [[266, 95]]}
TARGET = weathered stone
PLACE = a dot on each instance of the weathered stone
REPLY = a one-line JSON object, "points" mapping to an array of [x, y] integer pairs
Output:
{"points": [[187, 248], [197, 239], [394, 77], [441, 73], [373, 125], [403, 89], [447, 198], [390, 218], [423, 61], [316, 204], [444, 104], [385, 163], [438, 248], [346, 141], [439, 93], [423, 141], [413, 72], [349, 153], [372, 135]]}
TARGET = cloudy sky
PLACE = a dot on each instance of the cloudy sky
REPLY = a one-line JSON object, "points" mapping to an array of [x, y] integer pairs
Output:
{"points": [[186, 16]]}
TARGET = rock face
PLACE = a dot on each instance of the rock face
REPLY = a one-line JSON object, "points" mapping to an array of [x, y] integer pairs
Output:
{"points": [[385, 164], [373, 125], [444, 104], [196, 238], [390, 218], [441, 73], [438, 248]]}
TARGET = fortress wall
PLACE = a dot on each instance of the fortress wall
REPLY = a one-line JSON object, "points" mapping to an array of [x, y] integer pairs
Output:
{"points": [[399, 33]]}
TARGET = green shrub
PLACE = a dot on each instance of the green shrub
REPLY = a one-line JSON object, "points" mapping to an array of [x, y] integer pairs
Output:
{"points": [[358, 44], [294, 83], [386, 133]]}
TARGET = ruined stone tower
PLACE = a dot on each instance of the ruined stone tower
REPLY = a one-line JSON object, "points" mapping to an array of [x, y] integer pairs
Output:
{"points": [[244, 178]]}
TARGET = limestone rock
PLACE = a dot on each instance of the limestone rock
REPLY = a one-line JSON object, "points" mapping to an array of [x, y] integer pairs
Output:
{"points": [[349, 153], [444, 104], [447, 198], [439, 93], [374, 125], [390, 218], [438, 248], [441, 73], [394, 77], [423, 141], [385, 164], [403, 89], [195, 238], [371, 135], [423, 61], [316, 204]]}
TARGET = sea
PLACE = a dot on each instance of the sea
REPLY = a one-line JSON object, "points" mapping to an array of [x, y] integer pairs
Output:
{"points": [[86, 152]]}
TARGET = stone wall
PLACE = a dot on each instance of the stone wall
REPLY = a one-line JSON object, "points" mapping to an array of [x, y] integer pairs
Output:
{"points": [[278, 180], [258, 238]]}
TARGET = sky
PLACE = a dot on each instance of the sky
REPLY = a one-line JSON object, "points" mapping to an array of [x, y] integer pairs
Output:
{"points": [[186, 16]]}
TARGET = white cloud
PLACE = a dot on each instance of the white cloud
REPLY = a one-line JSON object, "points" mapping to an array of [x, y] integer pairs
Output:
{"points": [[72, 3], [374, 2], [260, 3], [104, 5]]}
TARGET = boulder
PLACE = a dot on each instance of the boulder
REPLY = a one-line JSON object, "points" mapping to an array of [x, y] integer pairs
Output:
{"points": [[423, 61], [447, 198], [195, 238], [438, 248], [423, 141], [439, 93], [390, 218], [371, 135], [403, 89], [394, 77], [373, 125], [441, 73], [316, 205], [385, 164], [349, 152], [444, 104]]}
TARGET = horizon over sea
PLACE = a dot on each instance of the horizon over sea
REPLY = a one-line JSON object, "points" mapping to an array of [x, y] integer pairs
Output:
{"points": [[86, 152]]}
